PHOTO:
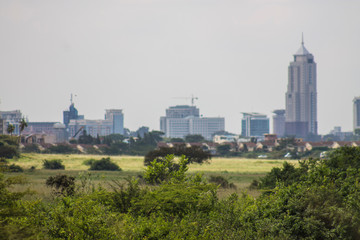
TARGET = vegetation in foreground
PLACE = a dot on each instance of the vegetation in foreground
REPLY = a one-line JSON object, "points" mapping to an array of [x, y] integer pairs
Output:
{"points": [[318, 200]]}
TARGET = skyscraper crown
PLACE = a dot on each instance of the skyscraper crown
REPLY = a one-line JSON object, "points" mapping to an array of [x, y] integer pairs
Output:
{"points": [[302, 50]]}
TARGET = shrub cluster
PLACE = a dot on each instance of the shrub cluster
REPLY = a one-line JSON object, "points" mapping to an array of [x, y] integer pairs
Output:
{"points": [[320, 202], [221, 181], [9, 147], [104, 164], [194, 154], [53, 164]]}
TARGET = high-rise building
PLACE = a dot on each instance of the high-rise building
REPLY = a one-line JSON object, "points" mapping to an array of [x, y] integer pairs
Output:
{"points": [[279, 122], [117, 118], [301, 95], [71, 114], [356, 113], [184, 120], [254, 125]]}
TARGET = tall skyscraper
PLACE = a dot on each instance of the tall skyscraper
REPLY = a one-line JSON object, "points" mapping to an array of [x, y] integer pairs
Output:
{"points": [[356, 113], [301, 95]]}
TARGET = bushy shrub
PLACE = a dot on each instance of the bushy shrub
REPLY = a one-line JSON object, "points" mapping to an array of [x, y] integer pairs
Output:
{"points": [[104, 164], [61, 148], [124, 197], [88, 162], [194, 154], [62, 184], [161, 170], [31, 148], [223, 182], [53, 164], [15, 168], [286, 175], [9, 147]]}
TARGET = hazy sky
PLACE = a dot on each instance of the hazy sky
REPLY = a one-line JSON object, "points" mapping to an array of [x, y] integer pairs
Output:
{"points": [[140, 55]]}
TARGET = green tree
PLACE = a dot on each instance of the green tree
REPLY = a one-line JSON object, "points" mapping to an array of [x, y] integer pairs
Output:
{"points": [[10, 129], [195, 138], [86, 138], [177, 140], [194, 154], [223, 149], [22, 125]]}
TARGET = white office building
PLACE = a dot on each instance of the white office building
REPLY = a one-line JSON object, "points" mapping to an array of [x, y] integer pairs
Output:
{"points": [[113, 124], [184, 120]]}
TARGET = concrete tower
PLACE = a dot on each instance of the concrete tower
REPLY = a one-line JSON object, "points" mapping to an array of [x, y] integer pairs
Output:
{"points": [[356, 113], [301, 95]]}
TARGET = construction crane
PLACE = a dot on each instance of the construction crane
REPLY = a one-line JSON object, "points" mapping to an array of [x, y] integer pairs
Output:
{"points": [[81, 128], [192, 99]]}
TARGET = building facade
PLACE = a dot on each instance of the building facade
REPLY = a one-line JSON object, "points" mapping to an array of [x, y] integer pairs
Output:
{"points": [[356, 113], [45, 132], [117, 118], [301, 95], [113, 124], [71, 114], [254, 125], [11, 117], [279, 122], [184, 120]]}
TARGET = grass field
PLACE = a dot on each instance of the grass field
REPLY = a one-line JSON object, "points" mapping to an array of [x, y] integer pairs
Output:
{"points": [[239, 171]]}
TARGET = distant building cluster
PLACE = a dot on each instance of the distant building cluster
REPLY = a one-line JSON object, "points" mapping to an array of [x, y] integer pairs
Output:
{"points": [[184, 120], [298, 119], [112, 124]]}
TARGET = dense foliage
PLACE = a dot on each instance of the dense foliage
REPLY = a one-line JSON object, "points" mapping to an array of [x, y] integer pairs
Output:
{"points": [[53, 164], [318, 200], [60, 148], [104, 164], [61, 184], [194, 154], [9, 146]]}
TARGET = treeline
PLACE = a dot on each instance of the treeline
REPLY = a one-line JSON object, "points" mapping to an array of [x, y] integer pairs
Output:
{"points": [[114, 144], [318, 200]]}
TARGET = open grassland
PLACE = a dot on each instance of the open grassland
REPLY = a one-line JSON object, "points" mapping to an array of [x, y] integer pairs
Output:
{"points": [[136, 163], [239, 171]]}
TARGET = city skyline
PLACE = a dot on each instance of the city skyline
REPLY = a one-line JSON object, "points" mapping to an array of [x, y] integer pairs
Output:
{"points": [[140, 55]]}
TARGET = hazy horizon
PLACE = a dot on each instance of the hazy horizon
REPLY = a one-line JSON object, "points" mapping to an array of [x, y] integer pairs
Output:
{"points": [[142, 56]]}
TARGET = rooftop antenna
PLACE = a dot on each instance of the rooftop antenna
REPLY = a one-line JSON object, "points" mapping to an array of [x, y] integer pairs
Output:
{"points": [[302, 38], [71, 98]]}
